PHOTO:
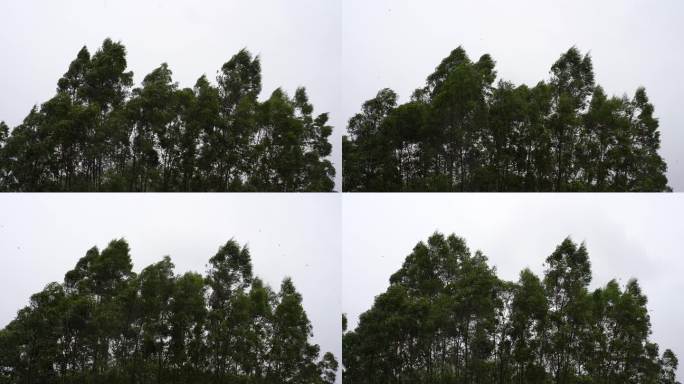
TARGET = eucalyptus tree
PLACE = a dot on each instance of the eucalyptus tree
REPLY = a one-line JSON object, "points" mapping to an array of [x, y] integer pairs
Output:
{"points": [[99, 134], [369, 152], [4, 177], [106, 323], [447, 318], [462, 131]]}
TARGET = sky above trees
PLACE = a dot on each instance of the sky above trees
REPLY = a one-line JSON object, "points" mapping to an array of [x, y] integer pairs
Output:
{"points": [[629, 236], [345, 51], [462, 133], [301, 40], [107, 323], [46, 235], [396, 43], [96, 134], [447, 317]]}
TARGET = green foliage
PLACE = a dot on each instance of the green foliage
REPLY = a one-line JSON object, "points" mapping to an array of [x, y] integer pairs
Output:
{"points": [[447, 318], [96, 134], [107, 324], [460, 132]]}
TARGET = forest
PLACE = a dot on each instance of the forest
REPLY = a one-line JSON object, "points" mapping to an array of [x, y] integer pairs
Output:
{"points": [[462, 132], [108, 324], [447, 318], [98, 134]]}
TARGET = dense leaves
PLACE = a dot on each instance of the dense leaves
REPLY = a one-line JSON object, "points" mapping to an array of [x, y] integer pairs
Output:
{"points": [[461, 132], [107, 324], [447, 318], [96, 134]]}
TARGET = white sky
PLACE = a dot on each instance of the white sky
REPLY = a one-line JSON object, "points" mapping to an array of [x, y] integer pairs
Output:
{"points": [[298, 41], [345, 51], [398, 43], [627, 235], [297, 235]]}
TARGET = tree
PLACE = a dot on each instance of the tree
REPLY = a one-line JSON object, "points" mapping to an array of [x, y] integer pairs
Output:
{"points": [[96, 134], [566, 280], [156, 292], [4, 177], [649, 172], [239, 86], [528, 329], [460, 132], [669, 363], [367, 150], [228, 278], [292, 355], [447, 318], [188, 319], [105, 323]]}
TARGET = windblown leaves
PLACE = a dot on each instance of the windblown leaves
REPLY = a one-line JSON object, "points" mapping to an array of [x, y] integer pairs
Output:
{"points": [[447, 318], [96, 134], [106, 323], [460, 132]]}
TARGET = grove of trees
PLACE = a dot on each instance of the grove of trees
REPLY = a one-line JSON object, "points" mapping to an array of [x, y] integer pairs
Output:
{"points": [[447, 318], [96, 134], [108, 324], [462, 132]]}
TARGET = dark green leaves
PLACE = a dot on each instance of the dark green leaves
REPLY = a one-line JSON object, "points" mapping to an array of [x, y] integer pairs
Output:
{"points": [[108, 324], [447, 318], [463, 132], [97, 134]]}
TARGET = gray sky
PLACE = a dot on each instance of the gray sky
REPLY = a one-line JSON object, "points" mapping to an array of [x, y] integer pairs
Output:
{"points": [[298, 41], [398, 43], [345, 51], [627, 235], [297, 235]]}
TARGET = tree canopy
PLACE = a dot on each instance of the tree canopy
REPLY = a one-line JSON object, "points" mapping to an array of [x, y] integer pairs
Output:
{"points": [[462, 132], [107, 324], [98, 134], [447, 318]]}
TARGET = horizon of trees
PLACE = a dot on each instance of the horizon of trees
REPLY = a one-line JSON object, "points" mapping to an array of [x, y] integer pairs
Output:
{"points": [[106, 324], [96, 134], [447, 318], [462, 132]]}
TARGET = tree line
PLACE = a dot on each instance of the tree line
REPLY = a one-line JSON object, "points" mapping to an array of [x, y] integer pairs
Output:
{"points": [[460, 132], [108, 324], [447, 318], [96, 134]]}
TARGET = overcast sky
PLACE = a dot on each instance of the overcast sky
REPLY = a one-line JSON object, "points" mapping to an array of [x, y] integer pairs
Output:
{"points": [[298, 41], [398, 43], [43, 236], [627, 235], [345, 51]]}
